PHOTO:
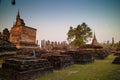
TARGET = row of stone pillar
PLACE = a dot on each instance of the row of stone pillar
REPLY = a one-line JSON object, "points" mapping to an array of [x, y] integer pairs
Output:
{"points": [[52, 44]]}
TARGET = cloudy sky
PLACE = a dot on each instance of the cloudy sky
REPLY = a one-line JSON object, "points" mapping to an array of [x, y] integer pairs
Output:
{"points": [[52, 18]]}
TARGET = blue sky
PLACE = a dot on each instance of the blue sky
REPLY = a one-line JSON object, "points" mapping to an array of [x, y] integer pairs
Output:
{"points": [[52, 18]]}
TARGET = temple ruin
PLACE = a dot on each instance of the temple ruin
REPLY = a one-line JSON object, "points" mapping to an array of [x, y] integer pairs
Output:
{"points": [[95, 49], [23, 36], [5, 44], [54, 45], [94, 41]]}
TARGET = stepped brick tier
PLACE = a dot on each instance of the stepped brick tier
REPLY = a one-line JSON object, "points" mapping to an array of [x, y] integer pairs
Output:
{"points": [[79, 57], [58, 61], [97, 54], [97, 51], [9, 54], [100, 54], [85, 53], [25, 68], [117, 53], [7, 49], [116, 60], [29, 52]]}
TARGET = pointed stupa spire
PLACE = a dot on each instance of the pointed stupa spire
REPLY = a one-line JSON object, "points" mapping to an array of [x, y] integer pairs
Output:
{"points": [[19, 21], [94, 41], [94, 36], [18, 15]]}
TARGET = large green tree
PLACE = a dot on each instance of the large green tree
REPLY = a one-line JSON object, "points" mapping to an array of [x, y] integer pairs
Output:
{"points": [[80, 35]]}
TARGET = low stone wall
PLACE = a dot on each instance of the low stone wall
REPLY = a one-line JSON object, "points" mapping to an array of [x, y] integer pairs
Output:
{"points": [[117, 53], [28, 52], [25, 68], [4, 55], [59, 61], [100, 54], [80, 58], [6, 46]]}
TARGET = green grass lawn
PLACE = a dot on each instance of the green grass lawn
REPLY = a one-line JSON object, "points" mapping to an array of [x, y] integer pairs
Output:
{"points": [[99, 70]]}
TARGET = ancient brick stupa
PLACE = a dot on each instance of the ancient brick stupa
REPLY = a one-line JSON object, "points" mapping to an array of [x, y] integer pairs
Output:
{"points": [[95, 49], [21, 35], [94, 41], [93, 45]]}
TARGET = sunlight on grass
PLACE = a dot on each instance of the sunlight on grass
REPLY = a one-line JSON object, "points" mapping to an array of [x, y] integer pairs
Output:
{"points": [[1, 61], [99, 70]]}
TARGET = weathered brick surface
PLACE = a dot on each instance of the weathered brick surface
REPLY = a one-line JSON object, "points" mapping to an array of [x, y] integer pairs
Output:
{"points": [[59, 61], [21, 35], [25, 68], [80, 57]]}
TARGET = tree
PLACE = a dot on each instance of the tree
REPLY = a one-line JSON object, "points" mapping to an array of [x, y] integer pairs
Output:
{"points": [[80, 35]]}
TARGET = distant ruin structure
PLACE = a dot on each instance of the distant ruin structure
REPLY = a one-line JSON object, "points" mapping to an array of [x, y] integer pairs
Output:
{"points": [[54, 45], [94, 41], [21, 35], [6, 34], [95, 49], [5, 44], [113, 42]]}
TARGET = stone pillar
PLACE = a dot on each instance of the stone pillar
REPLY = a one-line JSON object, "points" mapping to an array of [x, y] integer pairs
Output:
{"points": [[48, 44], [43, 44], [108, 42], [56, 44], [52, 45], [112, 41], [37, 42]]}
